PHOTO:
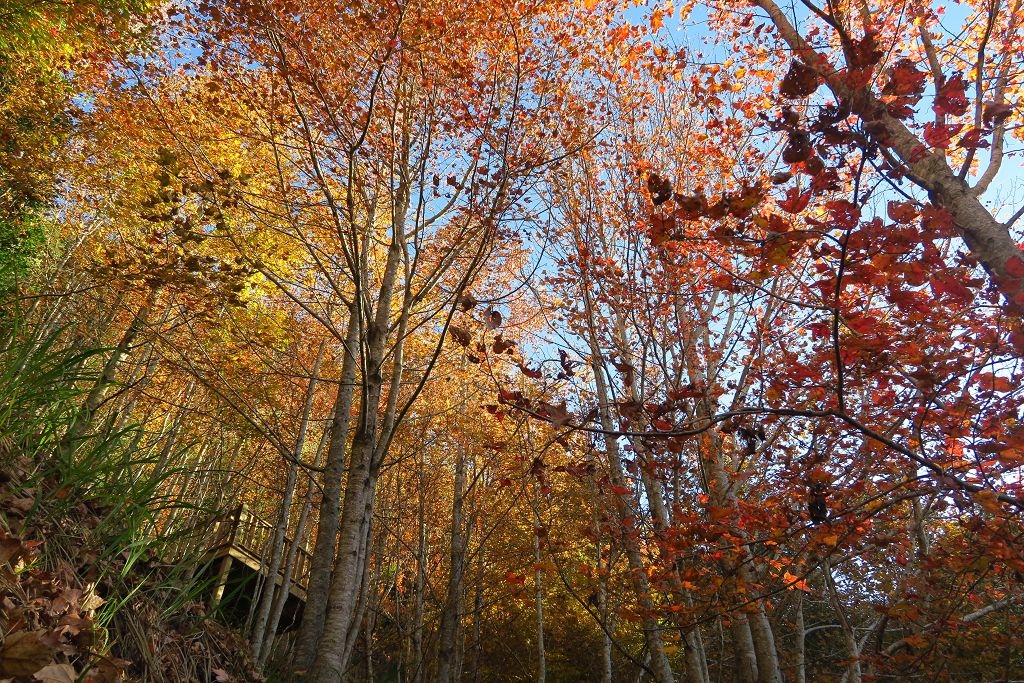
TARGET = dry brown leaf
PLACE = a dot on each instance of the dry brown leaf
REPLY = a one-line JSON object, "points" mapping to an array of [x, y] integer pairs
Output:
{"points": [[22, 504], [108, 670], [24, 653], [69, 598], [91, 602], [57, 673], [10, 548]]}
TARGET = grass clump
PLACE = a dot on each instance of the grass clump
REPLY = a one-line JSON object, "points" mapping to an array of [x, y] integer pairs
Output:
{"points": [[89, 590]]}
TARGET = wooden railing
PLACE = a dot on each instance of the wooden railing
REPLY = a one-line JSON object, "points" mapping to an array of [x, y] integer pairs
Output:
{"points": [[240, 532]]}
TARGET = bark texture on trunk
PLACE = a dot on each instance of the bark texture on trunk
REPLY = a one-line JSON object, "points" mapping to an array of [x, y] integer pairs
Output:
{"points": [[322, 561], [451, 615], [340, 623], [282, 594]]}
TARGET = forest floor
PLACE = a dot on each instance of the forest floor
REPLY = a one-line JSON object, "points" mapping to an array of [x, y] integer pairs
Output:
{"points": [[74, 608]]}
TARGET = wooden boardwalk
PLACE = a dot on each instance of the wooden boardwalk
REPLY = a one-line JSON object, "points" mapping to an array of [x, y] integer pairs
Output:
{"points": [[242, 537]]}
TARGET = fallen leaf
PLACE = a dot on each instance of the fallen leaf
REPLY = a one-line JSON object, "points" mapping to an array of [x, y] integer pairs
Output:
{"points": [[10, 548], [22, 505], [57, 673], [92, 602], [24, 653]]}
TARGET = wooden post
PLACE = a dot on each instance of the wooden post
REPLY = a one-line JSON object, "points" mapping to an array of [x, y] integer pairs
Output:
{"points": [[225, 564], [222, 580]]}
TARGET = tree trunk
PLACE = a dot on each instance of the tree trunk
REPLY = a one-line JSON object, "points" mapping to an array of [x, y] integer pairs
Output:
{"points": [[538, 589], [283, 592], [743, 642], [421, 579], [853, 672], [277, 542], [321, 564], [602, 606], [340, 626], [801, 632], [696, 666], [330, 663], [661, 668], [762, 639], [478, 608], [452, 612]]}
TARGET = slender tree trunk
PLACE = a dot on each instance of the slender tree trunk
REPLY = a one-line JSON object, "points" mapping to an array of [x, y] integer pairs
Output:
{"points": [[743, 642], [853, 672], [421, 578], [365, 594], [331, 660], [183, 483], [922, 546], [604, 569], [478, 608], [753, 636], [171, 440], [721, 650], [801, 633], [452, 613], [277, 543], [293, 551], [762, 639], [370, 622], [661, 668], [538, 588], [696, 666], [340, 624], [321, 564]]}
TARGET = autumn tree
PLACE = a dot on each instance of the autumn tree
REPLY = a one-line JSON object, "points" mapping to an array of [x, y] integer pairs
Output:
{"points": [[573, 340]]}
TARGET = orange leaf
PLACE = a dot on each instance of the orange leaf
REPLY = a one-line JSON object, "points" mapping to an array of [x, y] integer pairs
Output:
{"points": [[514, 579], [794, 582]]}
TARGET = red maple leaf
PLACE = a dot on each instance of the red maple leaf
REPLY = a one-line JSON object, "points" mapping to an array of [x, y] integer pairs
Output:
{"points": [[951, 98], [795, 201], [902, 212], [905, 81], [941, 135]]}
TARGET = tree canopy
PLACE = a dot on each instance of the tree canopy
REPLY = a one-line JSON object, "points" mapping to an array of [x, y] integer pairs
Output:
{"points": [[566, 340]]}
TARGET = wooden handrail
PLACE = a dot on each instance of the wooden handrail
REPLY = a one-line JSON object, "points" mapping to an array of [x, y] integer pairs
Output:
{"points": [[246, 533], [253, 535]]}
